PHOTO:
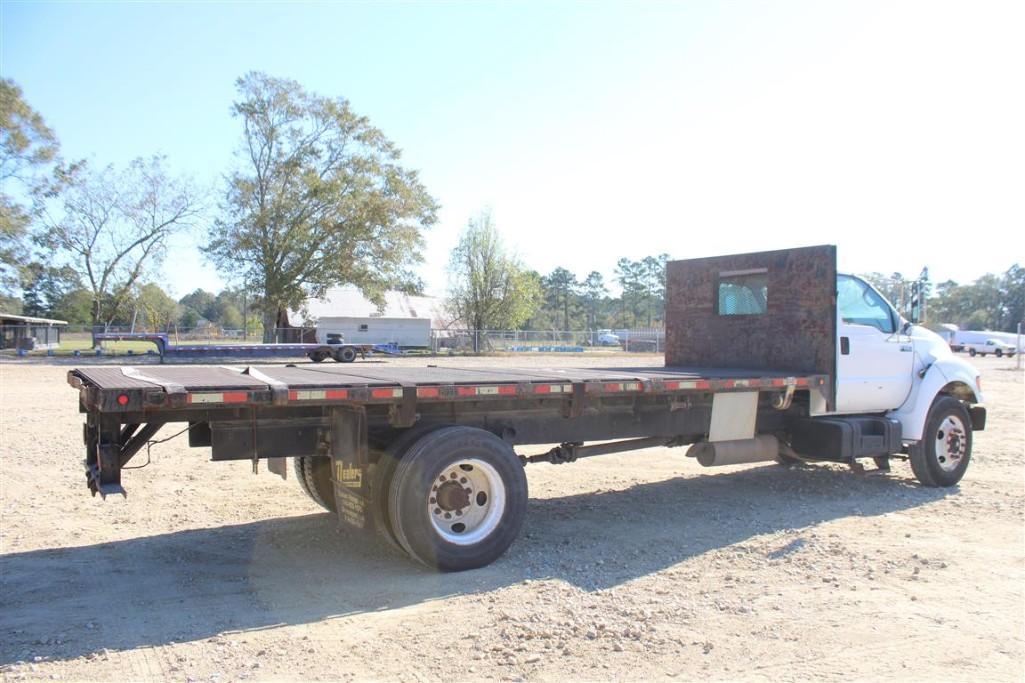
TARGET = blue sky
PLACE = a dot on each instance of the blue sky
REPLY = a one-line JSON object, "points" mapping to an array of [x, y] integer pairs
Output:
{"points": [[593, 130]]}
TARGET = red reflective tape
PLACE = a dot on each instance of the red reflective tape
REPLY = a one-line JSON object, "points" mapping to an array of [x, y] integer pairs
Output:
{"points": [[754, 382], [235, 396], [672, 386], [507, 390], [428, 392], [614, 386], [336, 394], [779, 382], [802, 381], [703, 384], [542, 388], [466, 391], [728, 384], [382, 393], [293, 395]]}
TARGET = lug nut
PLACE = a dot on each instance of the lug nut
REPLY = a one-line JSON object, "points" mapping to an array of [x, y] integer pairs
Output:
{"points": [[437, 511]]}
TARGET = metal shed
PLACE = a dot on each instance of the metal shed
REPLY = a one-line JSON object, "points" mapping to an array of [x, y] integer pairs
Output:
{"points": [[27, 332]]}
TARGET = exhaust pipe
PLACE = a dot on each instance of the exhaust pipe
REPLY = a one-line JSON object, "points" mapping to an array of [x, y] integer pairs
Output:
{"points": [[762, 448]]}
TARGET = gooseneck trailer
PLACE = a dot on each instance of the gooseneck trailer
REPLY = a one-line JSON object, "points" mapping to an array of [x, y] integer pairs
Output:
{"points": [[339, 351], [760, 366]]}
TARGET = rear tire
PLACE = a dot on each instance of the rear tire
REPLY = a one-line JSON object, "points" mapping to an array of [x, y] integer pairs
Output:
{"points": [[346, 354], [972, 352], [942, 456], [314, 475], [319, 355], [1000, 353], [382, 472], [457, 498]]}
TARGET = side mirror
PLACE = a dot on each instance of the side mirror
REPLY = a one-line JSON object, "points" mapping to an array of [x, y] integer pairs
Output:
{"points": [[915, 307], [906, 328]]}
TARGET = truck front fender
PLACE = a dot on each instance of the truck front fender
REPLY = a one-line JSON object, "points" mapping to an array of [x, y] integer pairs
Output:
{"points": [[944, 377]]}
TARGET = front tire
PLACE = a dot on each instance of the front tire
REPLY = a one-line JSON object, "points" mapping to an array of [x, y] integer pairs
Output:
{"points": [[457, 498], [942, 456], [972, 352], [1000, 353]]}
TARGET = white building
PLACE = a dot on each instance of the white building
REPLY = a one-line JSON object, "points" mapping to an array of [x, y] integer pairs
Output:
{"points": [[404, 320]]}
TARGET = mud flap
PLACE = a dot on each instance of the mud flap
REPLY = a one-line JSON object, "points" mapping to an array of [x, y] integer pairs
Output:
{"points": [[349, 468]]}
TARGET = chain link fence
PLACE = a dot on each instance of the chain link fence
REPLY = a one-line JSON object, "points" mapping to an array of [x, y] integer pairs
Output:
{"points": [[80, 338]]}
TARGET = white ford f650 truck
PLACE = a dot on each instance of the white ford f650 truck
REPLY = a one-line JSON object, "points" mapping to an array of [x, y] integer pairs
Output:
{"points": [[770, 356]]}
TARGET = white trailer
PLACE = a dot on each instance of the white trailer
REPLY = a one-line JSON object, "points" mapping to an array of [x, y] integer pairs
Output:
{"points": [[403, 332]]}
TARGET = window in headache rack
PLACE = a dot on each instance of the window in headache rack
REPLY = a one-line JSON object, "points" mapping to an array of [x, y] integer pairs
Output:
{"points": [[743, 292]]}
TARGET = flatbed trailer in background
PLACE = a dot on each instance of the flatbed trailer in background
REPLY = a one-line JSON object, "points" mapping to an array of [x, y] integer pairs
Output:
{"points": [[425, 455], [341, 352]]}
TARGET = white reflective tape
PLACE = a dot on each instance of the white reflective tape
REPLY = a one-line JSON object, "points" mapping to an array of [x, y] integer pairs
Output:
{"points": [[207, 398], [487, 391], [315, 395]]}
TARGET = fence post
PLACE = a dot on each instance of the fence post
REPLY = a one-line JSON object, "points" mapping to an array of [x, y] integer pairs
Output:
{"points": [[1017, 352]]}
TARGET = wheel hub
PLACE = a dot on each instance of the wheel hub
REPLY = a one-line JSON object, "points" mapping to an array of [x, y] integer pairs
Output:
{"points": [[951, 443], [466, 501], [452, 496]]}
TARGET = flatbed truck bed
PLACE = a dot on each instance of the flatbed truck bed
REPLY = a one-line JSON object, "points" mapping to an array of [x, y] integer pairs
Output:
{"points": [[424, 456]]}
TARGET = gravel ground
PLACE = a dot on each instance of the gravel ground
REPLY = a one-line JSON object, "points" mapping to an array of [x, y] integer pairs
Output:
{"points": [[635, 566]]}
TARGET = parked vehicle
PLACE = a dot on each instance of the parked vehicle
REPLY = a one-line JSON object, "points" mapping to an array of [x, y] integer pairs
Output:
{"points": [[994, 346], [335, 348], [960, 340], [607, 338], [769, 357]]}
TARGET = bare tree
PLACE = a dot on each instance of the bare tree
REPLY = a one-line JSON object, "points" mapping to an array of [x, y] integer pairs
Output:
{"points": [[111, 226], [488, 287]]}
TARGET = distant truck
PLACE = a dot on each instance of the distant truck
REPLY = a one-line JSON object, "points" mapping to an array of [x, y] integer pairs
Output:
{"points": [[961, 340], [994, 346], [770, 356]]}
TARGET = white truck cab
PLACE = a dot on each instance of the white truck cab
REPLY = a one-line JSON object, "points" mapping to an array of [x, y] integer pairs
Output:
{"points": [[889, 366]]}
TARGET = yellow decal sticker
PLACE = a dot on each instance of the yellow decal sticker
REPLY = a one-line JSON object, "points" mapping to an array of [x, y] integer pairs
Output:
{"points": [[350, 477]]}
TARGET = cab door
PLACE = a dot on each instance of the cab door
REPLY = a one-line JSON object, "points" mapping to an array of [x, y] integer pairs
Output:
{"points": [[875, 360]]}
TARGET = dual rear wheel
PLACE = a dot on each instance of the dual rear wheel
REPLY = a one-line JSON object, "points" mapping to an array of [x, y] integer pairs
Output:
{"points": [[453, 498]]}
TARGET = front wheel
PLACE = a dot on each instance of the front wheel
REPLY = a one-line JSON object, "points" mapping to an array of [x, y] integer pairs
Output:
{"points": [[971, 352], [941, 457], [1000, 353], [457, 498], [319, 355]]}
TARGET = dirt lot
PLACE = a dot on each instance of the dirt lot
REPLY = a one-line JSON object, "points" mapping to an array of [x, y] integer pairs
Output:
{"points": [[637, 566]]}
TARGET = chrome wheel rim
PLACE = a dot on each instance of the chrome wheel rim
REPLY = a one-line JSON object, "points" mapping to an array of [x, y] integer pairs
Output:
{"points": [[951, 443], [466, 501]]}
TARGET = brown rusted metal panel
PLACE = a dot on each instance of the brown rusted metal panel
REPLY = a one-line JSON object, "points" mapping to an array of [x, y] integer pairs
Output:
{"points": [[795, 333]]}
